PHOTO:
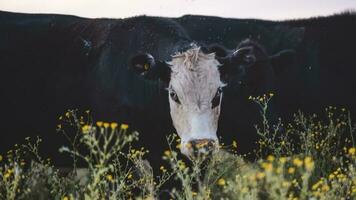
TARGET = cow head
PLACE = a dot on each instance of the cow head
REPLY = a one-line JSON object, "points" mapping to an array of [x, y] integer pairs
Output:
{"points": [[195, 81]]}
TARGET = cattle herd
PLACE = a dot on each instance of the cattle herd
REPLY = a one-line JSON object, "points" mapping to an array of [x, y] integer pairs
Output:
{"points": [[191, 75]]}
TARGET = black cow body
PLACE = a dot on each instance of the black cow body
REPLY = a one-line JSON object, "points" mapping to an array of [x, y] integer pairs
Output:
{"points": [[51, 63]]}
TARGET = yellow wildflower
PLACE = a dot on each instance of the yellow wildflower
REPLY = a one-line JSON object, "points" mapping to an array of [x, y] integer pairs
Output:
{"points": [[297, 162], [124, 126], [178, 146], [282, 160], [352, 151], [270, 158], [221, 182], [234, 144], [7, 175], [109, 177], [129, 176], [331, 176], [65, 198], [267, 166], [162, 169], [181, 165], [106, 125], [99, 123], [285, 184], [86, 129], [113, 125], [309, 164], [194, 194], [291, 170], [325, 188], [260, 175], [167, 153]]}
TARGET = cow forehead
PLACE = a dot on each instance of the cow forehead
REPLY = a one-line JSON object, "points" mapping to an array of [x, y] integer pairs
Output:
{"points": [[195, 75]]}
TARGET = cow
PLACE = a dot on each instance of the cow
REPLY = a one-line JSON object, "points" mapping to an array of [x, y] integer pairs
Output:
{"points": [[51, 63]]}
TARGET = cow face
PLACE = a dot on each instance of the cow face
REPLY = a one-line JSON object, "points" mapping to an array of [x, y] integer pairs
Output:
{"points": [[195, 93], [194, 84]]}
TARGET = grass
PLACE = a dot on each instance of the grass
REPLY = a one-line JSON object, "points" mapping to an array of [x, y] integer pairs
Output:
{"points": [[310, 157]]}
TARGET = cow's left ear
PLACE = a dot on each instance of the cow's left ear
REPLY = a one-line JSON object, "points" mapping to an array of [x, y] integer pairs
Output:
{"points": [[237, 61], [146, 66], [282, 60]]}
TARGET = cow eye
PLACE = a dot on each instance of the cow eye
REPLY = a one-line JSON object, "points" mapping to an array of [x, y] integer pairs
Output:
{"points": [[174, 96], [216, 100]]}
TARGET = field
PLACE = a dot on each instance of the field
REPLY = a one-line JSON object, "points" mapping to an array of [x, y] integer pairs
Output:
{"points": [[310, 157]]}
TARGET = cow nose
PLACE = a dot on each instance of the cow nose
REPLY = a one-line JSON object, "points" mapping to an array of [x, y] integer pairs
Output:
{"points": [[202, 145]]}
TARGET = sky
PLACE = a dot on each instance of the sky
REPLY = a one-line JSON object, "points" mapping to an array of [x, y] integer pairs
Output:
{"points": [[262, 9]]}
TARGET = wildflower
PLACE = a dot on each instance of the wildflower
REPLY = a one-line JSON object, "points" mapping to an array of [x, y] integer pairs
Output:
{"points": [[234, 144], [279, 170], [181, 165], [113, 125], [331, 176], [270, 158], [221, 182], [309, 164], [99, 123], [271, 94], [167, 153], [316, 185], [260, 175], [325, 188], [297, 162], [162, 169], [291, 170], [129, 176], [194, 194], [250, 97], [178, 146], [65, 198], [352, 151], [106, 125], [124, 126], [109, 177], [7, 175], [285, 184], [59, 126], [86, 129], [282, 160], [267, 166], [67, 114]]}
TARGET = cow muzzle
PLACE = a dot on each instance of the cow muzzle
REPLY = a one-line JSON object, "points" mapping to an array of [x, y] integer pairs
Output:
{"points": [[198, 147]]}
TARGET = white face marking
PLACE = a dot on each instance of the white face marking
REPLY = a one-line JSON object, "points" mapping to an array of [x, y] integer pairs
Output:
{"points": [[195, 80]]}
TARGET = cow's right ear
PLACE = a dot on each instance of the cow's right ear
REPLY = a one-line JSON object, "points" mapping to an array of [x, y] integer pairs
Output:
{"points": [[146, 66]]}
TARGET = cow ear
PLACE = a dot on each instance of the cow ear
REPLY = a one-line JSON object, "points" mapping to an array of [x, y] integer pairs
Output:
{"points": [[237, 61], [282, 60], [146, 66]]}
